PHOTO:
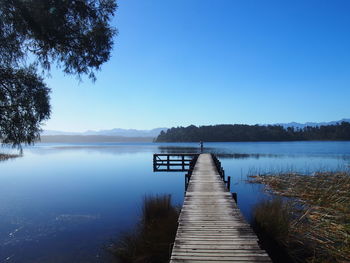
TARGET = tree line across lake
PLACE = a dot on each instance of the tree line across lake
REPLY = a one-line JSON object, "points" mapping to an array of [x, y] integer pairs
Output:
{"points": [[242, 132]]}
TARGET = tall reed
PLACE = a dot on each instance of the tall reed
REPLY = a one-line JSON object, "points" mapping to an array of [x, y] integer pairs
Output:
{"points": [[313, 221], [152, 238]]}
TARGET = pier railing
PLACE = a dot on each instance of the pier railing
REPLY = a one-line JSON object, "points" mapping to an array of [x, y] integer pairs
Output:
{"points": [[222, 175], [174, 162]]}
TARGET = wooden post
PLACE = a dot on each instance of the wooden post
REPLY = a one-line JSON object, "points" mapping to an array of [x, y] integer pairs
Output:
{"points": [[234, 196], [187, 180], [171, 246], [168, 161], [229, 182], [183, 162], [154, 163]]}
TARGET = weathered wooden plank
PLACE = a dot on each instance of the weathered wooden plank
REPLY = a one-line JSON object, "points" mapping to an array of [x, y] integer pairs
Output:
{"points": [[176, 260], [215, 247], [249, 258], [211, 227], [222, 252], [217, 243], [222, 257]]}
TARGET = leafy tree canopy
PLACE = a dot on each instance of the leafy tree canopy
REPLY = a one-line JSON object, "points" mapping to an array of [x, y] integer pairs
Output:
{"points": [[24, 105], [75, 35]]}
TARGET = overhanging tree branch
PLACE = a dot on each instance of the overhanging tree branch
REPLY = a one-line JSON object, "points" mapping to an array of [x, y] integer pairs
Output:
{"points": [[75, 35]]}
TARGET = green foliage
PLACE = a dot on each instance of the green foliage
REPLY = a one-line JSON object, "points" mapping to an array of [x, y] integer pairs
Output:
{"points": [[24, 105], [151, 241], [239, 132], [75, 35]]}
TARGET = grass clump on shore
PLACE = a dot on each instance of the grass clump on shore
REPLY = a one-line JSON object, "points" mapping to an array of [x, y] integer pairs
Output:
{"points": [[5, 156], [154, 235], [312, 221], [276, 220]]}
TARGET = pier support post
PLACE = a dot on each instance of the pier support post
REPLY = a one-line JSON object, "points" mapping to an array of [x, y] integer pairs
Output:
{"points": [[154, 163], [187, 180], [234, 196]]}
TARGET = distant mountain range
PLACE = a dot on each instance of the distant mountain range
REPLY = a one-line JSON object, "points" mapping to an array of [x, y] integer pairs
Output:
{"points": [[312, 124], [113, 132], [92, 139]]}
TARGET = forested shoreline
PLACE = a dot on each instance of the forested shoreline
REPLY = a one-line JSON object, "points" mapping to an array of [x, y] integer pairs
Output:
{"points": [[243, 133]]}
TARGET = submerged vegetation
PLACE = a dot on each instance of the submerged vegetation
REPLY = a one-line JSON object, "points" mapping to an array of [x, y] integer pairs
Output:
{"points": [[309, 215], [154, 235]]}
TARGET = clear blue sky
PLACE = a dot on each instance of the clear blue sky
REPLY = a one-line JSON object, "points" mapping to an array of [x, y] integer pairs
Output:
{"points": [[210, 62]]}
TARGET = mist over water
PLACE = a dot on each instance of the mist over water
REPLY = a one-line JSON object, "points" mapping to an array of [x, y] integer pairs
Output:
{"points": [[65, 202]]}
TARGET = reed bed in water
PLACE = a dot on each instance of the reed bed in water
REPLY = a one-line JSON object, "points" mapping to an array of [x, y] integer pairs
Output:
{"points": [[315, 214], [152, 238]]}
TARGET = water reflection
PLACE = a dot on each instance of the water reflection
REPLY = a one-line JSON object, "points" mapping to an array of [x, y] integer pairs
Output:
{"points": [[102, 148], [178, 149], [217, 151], [64, 202], [243, 150]]}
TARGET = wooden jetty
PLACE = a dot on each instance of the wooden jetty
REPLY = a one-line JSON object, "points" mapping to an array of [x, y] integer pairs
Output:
{"points": [[211, 227]]}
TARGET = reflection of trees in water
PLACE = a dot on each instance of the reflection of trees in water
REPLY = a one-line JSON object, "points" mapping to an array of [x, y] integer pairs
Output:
{"points": [[245, 155], [225, 154], [114, 149], [263, 155], [218, 152], [133, 148], [178, 149]]}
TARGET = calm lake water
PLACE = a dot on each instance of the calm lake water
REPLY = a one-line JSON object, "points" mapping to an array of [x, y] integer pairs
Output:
{"points": [[66, 202]]}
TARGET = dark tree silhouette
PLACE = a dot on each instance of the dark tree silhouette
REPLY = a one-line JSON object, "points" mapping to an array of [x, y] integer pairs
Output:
{"points": [[24, 105], [75, 35], [238, 132]]}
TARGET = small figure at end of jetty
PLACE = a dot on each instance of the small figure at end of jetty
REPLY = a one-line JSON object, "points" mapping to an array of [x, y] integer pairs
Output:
{"points": [[201, 145]]}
